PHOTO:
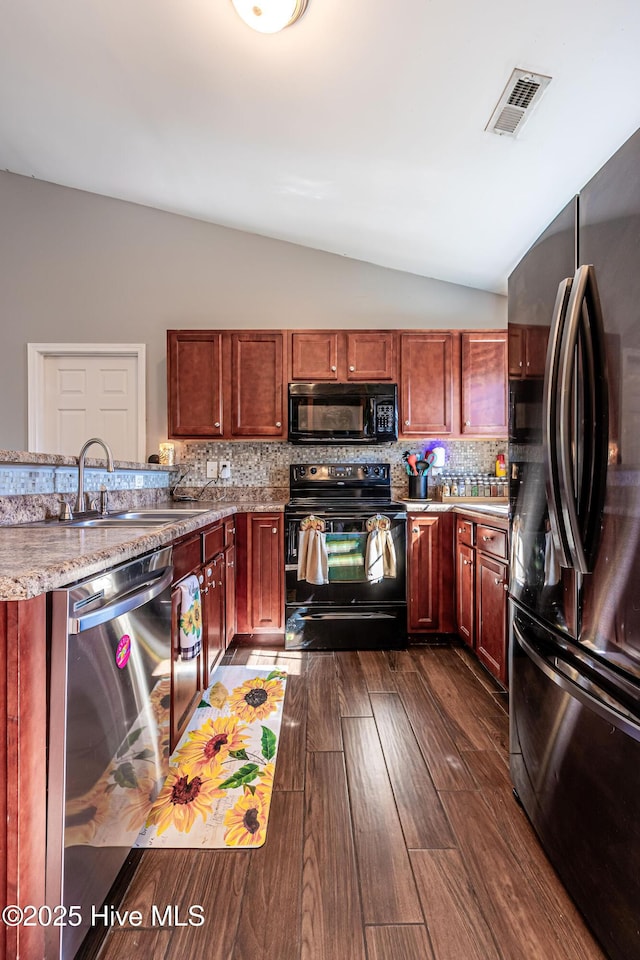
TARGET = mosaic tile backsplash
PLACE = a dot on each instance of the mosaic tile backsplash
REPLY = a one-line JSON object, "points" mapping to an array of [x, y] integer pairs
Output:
{"points": [[266, 465], [23, 479]]}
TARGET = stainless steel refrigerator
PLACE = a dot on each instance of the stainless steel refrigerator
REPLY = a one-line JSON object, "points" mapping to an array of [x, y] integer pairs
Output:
{"points": [[574, 608]]}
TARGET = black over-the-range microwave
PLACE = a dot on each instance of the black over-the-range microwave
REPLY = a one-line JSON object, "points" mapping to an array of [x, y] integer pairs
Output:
{"points": [[343, 412]]}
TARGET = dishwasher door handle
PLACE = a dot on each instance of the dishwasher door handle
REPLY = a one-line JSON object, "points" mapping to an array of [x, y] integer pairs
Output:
{"points": [[137, 597]]}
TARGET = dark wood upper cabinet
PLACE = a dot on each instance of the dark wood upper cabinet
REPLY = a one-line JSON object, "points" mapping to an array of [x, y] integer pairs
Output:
{"points": [[527, 351], [427, 384], [338, 355], [257, 405], [194, 383], [314, 356], [484, 384], [371, 356]]}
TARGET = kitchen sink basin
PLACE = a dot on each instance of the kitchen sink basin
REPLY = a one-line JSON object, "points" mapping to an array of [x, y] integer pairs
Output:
{"points": [[131, 518]]}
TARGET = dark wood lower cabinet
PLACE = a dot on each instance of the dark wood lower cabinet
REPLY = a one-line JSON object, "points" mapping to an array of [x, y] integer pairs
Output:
{"points": [[482, 576], [260, 572], [465, 593], [491, 610], [430, 573]]}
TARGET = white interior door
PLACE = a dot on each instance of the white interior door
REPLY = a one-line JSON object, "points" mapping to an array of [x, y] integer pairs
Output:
{"points": [[75, 394]]}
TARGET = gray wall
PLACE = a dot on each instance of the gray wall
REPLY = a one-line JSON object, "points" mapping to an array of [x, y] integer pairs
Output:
{"points": [[77, 267]]}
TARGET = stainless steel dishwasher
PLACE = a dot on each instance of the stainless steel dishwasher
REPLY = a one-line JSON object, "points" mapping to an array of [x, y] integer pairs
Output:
{"points": [[110, 684]]}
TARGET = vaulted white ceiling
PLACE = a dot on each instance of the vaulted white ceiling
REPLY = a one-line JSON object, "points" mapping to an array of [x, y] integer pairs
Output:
{"points": [[359, 130]]}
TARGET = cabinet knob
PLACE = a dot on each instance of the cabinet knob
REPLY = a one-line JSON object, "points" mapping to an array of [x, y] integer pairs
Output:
{"points": [[520, 363], [505, 586], [415, 530], [217, 423], [467, 423], [528, 363], [500, 583], [274, 529], [352, 369], [486, 538], [230, 564], [466, 563], [406, 423], [209, 571], [333, 367], [278, 423]]}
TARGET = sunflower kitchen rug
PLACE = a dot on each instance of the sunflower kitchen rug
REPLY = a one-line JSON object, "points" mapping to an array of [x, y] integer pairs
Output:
{"points": [[218, 790]]}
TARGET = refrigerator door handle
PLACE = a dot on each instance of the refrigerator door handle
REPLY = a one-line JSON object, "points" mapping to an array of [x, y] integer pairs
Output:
{"points": [[583, 312], [550, 424], [568, 678]]}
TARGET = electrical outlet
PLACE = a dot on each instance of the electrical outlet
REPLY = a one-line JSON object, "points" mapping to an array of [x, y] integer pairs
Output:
{"points": [[225, 469], [212, 469], [138, 481]]}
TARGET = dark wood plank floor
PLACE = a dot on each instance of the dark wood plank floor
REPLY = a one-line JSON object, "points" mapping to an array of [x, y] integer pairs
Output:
{"points": [[393, 832]]}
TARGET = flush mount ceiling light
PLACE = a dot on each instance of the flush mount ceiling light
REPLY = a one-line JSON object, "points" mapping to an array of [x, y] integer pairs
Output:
{"points": [[270, 16]]}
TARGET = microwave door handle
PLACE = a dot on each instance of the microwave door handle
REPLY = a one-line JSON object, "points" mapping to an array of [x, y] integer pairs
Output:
{"points": [[550, 423]]}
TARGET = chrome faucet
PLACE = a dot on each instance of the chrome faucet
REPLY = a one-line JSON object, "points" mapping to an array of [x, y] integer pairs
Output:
{"points": [[80, 499]]}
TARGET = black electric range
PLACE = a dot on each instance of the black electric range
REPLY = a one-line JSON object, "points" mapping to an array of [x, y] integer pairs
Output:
{"points": [[345, 574]]}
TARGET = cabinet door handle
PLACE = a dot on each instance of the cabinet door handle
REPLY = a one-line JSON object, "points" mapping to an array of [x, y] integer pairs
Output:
{"points": [[415, 530], [217, 423], [230, 564], [274, 529], [406, 423], [486, 539], [500, 583], [278, 423], [465, 562], [467, 423], [333, 368], [352, 369]]}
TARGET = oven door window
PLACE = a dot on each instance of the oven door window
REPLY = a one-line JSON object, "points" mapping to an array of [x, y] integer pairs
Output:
{"points": [[346, 543]]}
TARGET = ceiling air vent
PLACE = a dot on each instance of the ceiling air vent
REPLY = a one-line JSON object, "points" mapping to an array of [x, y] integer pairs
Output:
{"points": [[520, 95]]}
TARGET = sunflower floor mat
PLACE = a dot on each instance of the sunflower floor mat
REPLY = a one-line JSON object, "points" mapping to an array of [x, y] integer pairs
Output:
{"points": [[218, 790]]}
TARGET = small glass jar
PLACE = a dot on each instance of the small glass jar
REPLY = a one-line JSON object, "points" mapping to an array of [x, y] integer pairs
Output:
{"points": [[494, 486], [446, 487], [455, 487], [487, 485], [462, 486], [474, 486]]}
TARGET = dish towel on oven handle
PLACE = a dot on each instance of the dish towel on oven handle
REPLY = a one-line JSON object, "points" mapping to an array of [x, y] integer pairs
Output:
{"points": [[190, 619], [313, 565], [381, 555]]}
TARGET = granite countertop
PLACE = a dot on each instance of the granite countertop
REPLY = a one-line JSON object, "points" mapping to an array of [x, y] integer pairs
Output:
{"points": [[485, 508], [36, 559]]}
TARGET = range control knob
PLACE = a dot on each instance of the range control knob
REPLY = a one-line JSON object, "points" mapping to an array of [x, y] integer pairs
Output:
{"points": [[313, 470], [376, 470], [365, 470], [302, 471]]}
